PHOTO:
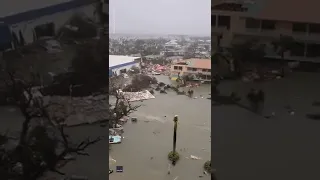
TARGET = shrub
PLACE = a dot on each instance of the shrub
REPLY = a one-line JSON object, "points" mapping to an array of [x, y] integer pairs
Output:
{"points": [[207, 167]]}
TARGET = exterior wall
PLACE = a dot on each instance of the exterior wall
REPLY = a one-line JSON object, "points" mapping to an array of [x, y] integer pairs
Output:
{"points": [[117, 69], [185, 70], [239, 33], [59, 19]]}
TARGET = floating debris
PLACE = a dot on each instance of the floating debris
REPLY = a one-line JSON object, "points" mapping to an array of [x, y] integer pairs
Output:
{"points": [[195, 157]]}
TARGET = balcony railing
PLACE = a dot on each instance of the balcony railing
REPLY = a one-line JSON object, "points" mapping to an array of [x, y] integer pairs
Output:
{"points": [[218, 30]]}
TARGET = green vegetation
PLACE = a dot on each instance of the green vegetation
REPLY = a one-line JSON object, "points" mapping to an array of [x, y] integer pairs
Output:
{"points": [[173, 156]]}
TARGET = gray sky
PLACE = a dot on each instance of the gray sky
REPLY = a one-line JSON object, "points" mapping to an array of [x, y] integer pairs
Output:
{"points": [[189, 17]]}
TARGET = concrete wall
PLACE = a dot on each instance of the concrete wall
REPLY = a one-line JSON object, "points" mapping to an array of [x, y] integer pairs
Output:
{"points": [[59, 19]]}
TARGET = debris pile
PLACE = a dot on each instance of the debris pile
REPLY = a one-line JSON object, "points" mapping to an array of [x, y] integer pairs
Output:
{"points": [[137, 96]]}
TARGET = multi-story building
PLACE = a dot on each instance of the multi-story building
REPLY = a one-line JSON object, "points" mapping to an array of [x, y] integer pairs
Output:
{"points": [[199, 67], [267, 20]]}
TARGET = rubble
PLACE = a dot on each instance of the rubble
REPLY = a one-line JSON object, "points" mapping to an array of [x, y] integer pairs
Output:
{"points": [[137, 96]]}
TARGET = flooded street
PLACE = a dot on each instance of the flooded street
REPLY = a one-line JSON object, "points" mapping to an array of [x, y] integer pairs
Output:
{"points": [[143, 151], [248, 146]]}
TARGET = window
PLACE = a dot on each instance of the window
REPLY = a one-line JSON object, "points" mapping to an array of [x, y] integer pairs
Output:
{"points": [[194, 69], [297, 49], [224, 21], [299, 27], [252, 23], [180, 68], [175, 67], [313, 50], [189, 69], [213, 20], [205, 70], [268, 25], [314, 28]]}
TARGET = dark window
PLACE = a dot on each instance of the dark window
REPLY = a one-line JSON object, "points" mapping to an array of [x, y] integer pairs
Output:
{"points": [[175, 67], [299, 27], [314, 28], [268, 25], [180, 67], [213, 20], [313, 50], [194, 69], [297, 49], [44, 30], [252, 23], [224, 21]]}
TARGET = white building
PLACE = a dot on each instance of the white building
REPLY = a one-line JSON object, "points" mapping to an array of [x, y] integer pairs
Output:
{"points": [[172, 45], [121, 64], [23, 22]]}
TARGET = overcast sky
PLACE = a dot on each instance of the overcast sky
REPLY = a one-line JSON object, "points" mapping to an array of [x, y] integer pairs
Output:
{"points": [[188, 17]]}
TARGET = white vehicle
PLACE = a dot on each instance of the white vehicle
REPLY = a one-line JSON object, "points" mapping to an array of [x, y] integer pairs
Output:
{"points": [[155, 73]]}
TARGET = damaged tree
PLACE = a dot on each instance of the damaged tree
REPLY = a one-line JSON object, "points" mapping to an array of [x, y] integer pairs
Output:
{"points": [[43, 144], [122, 107], [247, 52], [140, 82]]}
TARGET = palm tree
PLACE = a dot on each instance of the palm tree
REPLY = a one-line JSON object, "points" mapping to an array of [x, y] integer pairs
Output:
{"points": [[175, 120], [281, 46]]}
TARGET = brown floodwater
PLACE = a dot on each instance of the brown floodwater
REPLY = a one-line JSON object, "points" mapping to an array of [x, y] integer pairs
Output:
{"points": [[143, 151]]}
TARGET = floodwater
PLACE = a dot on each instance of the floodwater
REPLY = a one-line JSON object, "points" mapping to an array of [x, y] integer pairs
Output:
{"points": [[143, 151], [248, 146]]}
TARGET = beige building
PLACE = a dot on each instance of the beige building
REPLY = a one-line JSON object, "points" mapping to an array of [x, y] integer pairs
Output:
{"points": [[199, 67], [266, 20]]}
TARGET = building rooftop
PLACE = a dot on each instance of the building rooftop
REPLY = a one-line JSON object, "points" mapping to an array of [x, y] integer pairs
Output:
{"points": [[115, 60], [199, 63], [15, 11], [12, 7]]}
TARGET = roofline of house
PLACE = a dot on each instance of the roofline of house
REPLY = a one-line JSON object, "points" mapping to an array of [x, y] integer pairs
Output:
{"points": [[36, 13]]}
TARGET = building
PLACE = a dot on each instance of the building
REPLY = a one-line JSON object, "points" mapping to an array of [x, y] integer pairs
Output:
{"points": [[121, 64], [172, 45], [23, 22], [266, 20], [198, 67]]}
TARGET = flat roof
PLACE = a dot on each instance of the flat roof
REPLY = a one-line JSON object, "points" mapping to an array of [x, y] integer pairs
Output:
{"points": [[15, 11], [115, 60]]}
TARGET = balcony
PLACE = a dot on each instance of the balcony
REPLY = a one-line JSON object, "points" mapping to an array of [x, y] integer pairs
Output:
{"points": [[218, 30]]}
